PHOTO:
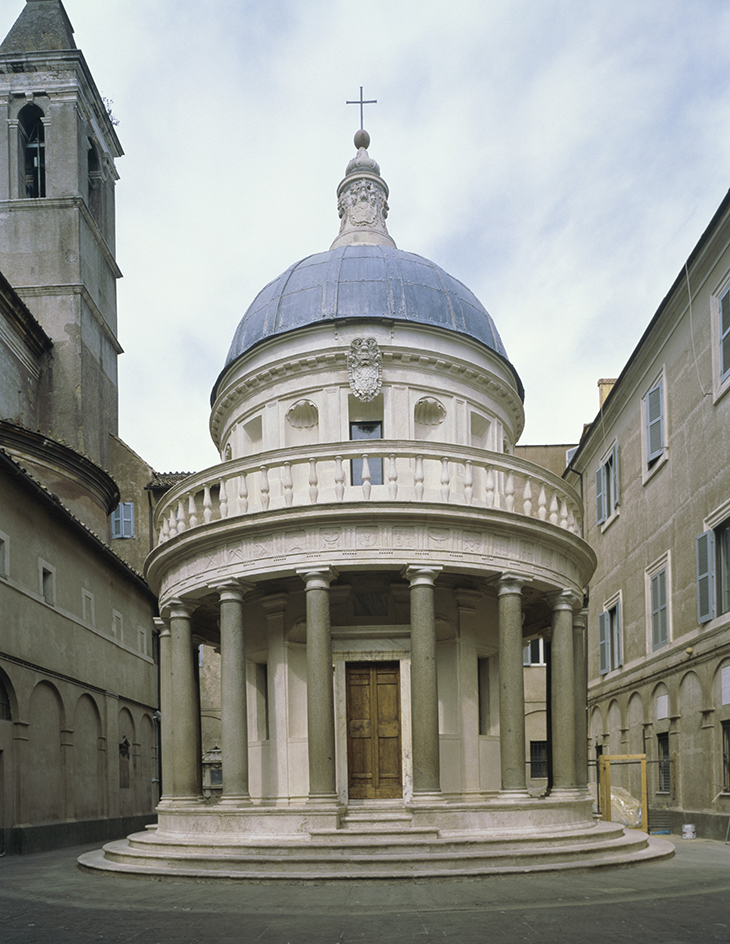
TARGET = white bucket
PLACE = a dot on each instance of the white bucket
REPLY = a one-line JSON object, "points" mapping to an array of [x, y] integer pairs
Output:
{"points": [[688, 831]]}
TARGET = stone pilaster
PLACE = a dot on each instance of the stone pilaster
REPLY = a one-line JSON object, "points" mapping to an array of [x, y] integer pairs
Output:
{"points": [[467, 601], [511, 687], [234, 708], [184, 702], [320, 691], [563, 693], [274, 607], [424, 683]]}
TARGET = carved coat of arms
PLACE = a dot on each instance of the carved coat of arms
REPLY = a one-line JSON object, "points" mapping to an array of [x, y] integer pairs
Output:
{"points": [[364, 368]]}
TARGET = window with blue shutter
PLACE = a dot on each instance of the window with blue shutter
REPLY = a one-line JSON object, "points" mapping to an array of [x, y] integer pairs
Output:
{"points": [[654, 423], [659, 612], [607, 486], [123, 520]]}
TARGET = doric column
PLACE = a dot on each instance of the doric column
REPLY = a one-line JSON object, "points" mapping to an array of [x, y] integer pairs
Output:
{"points": [[320, 691], [581, 699], [274, 607], [424, 684], [467, 601], [563, 692], [166, 749], [511, 686], [184, 702], [234, 710]]}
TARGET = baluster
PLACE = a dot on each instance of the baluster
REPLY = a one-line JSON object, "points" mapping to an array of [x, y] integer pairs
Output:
{"points": [[469, 482], [366, 478], [571, 520], [564, 514], [542, 503], [288, 485], [313, 483], [392, 479], [192, 511], [490, 487], [554, 509], [445, 479], [419, 478], [265, 487], [164, 532], [527, 499], [243, 494], [207, 505], [182, 522], [339, 478], [223, 499], [510, 491], [173, 524]]}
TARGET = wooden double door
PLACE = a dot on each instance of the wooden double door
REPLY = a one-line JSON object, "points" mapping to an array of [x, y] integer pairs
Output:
{"points": [[373, 730]]}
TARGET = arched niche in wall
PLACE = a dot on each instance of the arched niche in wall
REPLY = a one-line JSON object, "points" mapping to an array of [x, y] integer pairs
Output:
{"points": [[428, 415]]}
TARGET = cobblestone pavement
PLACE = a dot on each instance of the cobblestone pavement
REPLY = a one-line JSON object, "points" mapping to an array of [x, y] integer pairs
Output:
{"points": [[46, 899]]}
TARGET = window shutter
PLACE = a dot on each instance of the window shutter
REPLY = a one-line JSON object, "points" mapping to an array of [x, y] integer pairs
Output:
{"points": [[600, 495], [725, 336], [604, 663], [705, 576], [127, 519], [614, 477], [117, 522], [654, 423], [619, 637], [526, 655], [659, 634]]}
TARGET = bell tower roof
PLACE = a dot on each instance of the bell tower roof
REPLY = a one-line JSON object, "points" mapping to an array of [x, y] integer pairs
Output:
{"points": [[43, 26]]}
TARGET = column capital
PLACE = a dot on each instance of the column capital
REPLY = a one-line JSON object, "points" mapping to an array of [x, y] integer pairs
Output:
{"points": [[564, 600], [274, 603], [231, 590], [161, 625], [176, 608], [580, 620], [317, 578], [421, 576], [509, 584], [467, 599]]}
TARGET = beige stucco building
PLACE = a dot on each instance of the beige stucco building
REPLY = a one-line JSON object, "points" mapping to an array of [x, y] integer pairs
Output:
{"points": [[78, 674], [656, 481]]}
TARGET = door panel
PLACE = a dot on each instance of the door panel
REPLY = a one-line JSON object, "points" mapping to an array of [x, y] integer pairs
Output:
{"points": [[373, 730]]}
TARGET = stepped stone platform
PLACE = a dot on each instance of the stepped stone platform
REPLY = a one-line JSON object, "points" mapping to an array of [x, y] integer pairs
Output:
{"points": [[376, 845]]}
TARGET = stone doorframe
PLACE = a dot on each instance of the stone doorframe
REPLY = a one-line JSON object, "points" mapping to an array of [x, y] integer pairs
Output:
{"points": [[372, 644]]}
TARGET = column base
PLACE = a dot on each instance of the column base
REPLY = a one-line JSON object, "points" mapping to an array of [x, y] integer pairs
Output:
{"points": [[168, 803], [514, 794], [567, 793], [427, 796], [235, 802], [322, 799]]}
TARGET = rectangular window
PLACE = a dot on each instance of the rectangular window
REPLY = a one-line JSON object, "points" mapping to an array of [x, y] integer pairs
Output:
{"points": [[726, 756], [607, 486], [483, 670], [713, 572], [659, 612], [117, 625], [262, 701], [663, 784], [725, 336], [654, 410], [4, 554], [538, 760], [123, 520], [533, 653], [47, 575], [610, 653], [364, 432]]}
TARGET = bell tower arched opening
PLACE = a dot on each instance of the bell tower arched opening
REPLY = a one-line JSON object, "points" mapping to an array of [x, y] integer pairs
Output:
{"points": [[32, 146]]}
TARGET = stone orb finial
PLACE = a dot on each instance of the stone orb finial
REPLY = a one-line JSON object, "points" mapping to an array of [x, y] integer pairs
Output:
{"points": [[362, 139]]}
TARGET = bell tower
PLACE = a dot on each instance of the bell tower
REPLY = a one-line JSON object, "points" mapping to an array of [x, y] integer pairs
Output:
{"points": [[57, 225]]}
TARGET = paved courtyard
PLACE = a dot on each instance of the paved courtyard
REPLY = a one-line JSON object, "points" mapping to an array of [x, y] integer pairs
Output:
{"points": [[46, 899]]}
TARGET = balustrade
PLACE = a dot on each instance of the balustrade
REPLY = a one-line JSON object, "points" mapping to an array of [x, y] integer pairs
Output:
{"points": [[416, 472]]}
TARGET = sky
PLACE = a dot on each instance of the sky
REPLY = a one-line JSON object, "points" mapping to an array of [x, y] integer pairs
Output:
{"points": [[559, 157]]}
